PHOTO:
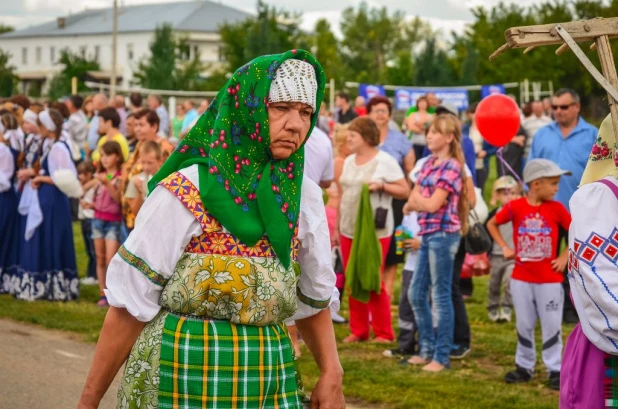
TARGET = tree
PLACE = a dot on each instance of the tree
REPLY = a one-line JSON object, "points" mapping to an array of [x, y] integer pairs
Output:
{"points": [[271, 31], [326, 48], [74, 66], [432, 66], [7, 75], [5, 29], [168, 66]]}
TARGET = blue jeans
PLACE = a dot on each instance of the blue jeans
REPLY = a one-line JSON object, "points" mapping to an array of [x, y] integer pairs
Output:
{"points": [[434, 269]]}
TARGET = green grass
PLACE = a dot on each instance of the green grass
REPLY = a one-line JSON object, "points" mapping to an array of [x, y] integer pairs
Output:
{"points": [[475, 382]]}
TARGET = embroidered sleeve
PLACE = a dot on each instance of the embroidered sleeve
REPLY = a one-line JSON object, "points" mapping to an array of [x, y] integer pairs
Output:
{"points": [[141, 266]]}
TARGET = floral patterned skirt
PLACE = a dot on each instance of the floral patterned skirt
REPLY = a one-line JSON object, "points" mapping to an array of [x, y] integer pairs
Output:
{"points": [[192, 363]]}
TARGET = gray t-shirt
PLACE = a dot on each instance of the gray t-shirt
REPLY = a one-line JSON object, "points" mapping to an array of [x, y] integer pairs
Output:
{"points": [[506, 230]]}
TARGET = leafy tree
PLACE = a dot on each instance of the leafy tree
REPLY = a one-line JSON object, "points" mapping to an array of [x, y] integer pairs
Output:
{"points": [[5, 28], [326, 48], [432, 66], [7, 75], [270, 31], [74, 66]]}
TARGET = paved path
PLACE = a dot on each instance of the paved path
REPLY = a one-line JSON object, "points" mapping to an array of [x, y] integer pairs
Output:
{"points": [[41, 368]]}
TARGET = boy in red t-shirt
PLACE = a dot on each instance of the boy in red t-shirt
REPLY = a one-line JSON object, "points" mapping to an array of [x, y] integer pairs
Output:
{"points": [[536, 283]]}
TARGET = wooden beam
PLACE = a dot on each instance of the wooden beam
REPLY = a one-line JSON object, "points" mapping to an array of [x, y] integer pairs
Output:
{"points": [[499, 51], [545, 34], [562, 49], [609, 72]]}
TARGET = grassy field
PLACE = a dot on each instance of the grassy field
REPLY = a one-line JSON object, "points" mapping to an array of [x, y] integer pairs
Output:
{"points": [[474, 383]]}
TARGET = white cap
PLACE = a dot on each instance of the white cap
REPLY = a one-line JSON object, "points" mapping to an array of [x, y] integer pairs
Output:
{"points": [[447, 108], [542, 168], [30, 116], [295, 81], [46, 120]]}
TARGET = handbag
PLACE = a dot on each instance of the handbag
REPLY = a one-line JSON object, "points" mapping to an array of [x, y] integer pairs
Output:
{"points": [[477, 241], [380, 215], [475, 265]]}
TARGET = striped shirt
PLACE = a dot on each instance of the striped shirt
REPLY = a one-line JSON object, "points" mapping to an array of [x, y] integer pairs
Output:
{"points": [[447, 176]]}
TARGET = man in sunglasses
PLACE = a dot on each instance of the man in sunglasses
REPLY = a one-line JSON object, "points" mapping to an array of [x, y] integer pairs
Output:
{"points": [[567, 141]]}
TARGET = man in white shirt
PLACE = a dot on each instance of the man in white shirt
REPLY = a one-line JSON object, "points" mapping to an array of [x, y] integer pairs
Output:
{"points": [[537, 120], [78, 125], [155, 103], [319, 160]]}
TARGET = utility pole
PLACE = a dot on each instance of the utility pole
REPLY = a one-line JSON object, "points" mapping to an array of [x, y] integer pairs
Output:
{"points": [[112, 83]]}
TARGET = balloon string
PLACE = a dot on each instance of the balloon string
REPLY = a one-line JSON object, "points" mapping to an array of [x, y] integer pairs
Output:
{"points": [[504, 164]]}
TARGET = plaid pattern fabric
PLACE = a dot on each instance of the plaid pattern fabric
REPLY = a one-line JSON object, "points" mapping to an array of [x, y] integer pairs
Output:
{"points": [[610, 386], [216, 364], [447, 176]]}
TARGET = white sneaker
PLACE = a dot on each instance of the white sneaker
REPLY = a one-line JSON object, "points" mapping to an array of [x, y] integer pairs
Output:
{"points": [[505, 314], [494, 315], [89, 281], [337, 319]]}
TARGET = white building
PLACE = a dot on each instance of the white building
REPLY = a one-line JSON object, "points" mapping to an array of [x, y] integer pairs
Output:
{"points": [[35, 50]]}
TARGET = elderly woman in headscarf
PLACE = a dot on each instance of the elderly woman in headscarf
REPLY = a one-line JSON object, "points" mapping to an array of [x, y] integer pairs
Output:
{"points": [[590, 358], [231, 243]]}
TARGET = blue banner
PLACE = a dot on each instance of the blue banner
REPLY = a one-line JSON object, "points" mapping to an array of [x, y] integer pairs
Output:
{"points": [[406, 98], [488, 90], [369, 91]]}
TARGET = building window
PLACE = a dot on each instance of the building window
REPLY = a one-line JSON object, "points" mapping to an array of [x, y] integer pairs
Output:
{"points": [[52, 55], [196, 51], [82, 50], [130, 52], [221, 54], [38, 55], [24, 55], [97, 49]]}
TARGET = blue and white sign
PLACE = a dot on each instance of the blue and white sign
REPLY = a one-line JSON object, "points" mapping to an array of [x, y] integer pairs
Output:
{"points": [[488, 90], [406, 98], [369, 91]]}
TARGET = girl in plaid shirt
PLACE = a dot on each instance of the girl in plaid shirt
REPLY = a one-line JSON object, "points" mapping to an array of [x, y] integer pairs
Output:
{"points": [[442, 218]]}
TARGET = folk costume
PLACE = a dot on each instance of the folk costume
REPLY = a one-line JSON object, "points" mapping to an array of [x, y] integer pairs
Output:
{"points": [[224, 251], [47, 266], [589, 375], [8, 213]]}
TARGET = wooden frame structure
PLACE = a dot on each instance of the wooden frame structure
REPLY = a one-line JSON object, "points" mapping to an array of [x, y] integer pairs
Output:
{"points": [[567, 35]]}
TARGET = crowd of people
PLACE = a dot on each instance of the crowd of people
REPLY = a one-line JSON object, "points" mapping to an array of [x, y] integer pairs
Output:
{"points": [[91, 159], [77, 159]]}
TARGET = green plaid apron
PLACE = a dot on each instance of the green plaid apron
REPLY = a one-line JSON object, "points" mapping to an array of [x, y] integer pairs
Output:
{"points": [[217, 364]]}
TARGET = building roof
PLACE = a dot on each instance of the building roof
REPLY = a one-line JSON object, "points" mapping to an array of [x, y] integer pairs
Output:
{"points": [[200, 15]]}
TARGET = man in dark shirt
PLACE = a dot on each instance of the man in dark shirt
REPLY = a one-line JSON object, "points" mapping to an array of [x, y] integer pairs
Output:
{"points": [[345, 113]]}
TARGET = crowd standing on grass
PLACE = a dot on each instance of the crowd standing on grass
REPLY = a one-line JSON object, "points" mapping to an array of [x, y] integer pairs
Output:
{"points": [[92, 159]]}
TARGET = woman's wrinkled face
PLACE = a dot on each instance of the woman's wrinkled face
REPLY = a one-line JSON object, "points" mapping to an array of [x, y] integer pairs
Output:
{"points": [[289, 124], [380, 115]]}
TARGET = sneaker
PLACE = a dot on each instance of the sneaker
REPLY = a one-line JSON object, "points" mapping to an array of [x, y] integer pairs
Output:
{"points": [[398, 353], [505, 314], [494, 315], [89, 281], [554, 380], [519, 375], [460, 352]]}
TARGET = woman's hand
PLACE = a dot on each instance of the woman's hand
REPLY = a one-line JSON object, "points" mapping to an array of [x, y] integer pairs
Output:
{"points": [[412, 244], [24, 174], [335, 240], [328, 392], [36, 182], [376, 186], [482, 154]]}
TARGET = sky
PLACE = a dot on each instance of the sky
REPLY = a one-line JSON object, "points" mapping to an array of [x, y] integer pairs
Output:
{"points": [[447, 15]]}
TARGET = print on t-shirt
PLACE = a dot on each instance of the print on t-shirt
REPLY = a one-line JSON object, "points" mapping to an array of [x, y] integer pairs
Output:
{"points": [[534, 241]]}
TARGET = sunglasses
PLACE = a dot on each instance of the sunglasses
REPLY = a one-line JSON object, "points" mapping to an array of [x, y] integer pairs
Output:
{"points": [[562, 107]]}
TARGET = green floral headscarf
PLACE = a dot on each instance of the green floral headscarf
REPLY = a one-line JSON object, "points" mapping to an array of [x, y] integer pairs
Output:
{"points": [[242, 186]]}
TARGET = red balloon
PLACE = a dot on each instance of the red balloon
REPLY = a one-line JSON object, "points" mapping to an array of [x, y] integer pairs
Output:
{"points": [[498, 119]]}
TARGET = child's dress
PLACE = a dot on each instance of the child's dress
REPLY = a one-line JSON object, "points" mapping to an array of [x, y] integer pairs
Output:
{"points": [[47, 268]]}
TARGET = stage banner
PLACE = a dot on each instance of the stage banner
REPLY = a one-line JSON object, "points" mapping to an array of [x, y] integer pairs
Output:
{"points": [[369, 91], [488, 90], [406, 98]]}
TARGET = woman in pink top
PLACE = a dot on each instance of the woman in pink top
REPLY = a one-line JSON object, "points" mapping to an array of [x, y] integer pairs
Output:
{"points": [[107, 211]]}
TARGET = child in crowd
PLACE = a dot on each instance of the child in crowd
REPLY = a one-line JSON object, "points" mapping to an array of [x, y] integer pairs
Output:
{"points": [[150, 157], [107, 212], [505, 189], [536, 284], [85, 213], [407, 323], [441, 216]]}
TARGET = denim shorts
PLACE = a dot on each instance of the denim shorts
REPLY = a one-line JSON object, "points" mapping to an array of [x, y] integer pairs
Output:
{"points": [[105, 230]]}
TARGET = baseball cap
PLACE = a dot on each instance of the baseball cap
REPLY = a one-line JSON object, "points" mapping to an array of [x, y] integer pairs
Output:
{"points": [[542, 168], [447, 108], [504, 182]]}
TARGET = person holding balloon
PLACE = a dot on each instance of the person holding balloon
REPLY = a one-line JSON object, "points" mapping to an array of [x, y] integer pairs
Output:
{"points": [[439, 199]]}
